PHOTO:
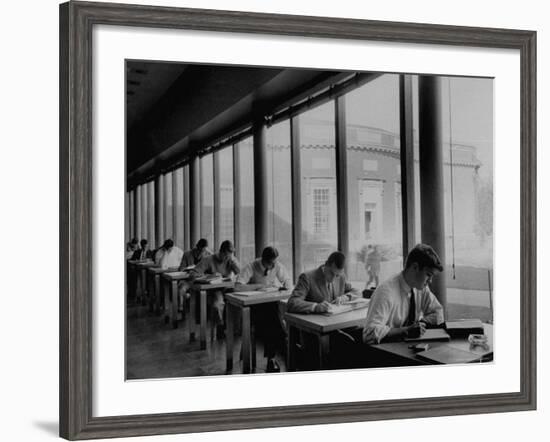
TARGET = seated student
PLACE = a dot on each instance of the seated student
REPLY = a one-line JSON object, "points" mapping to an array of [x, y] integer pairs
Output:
{"points": [[143, 252], [403, 305], [267, 271], [313, 293], [317, 289], [191, 258], [170, 256], [131, 247], [222, 264]]}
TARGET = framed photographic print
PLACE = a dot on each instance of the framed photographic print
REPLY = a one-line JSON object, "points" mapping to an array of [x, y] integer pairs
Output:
{"points": [[253, 205]]}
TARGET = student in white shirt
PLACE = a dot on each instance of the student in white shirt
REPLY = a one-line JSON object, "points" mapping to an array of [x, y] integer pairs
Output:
{"points": [[265, 272], [224, 264], [171, 255], [403, 305]]}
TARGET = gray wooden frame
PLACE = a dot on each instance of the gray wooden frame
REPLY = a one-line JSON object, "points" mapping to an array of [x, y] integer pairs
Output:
{"points": [[76, 162]]}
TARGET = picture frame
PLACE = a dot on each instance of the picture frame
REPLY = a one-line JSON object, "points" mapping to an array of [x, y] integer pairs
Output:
{"points": [[76, 168]]}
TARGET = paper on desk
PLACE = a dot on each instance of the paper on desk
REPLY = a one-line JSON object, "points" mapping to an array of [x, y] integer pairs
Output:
{"points": [[355, 304], [179, 274], [248, 293], [257, 292]]}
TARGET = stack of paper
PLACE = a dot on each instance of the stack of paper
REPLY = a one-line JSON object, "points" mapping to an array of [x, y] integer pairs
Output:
{"points": [[179, 274], [262, 291], [210, 279], [355, 304]]}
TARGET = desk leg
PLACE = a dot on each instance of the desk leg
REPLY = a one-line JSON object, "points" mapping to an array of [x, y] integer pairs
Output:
{"points": [[166, 295], [157, 294], [246, 340], [203, 319], [324, 345], [151, 292], [292, 341], [139, 288], [174, 303], [145, 289], [253, 347], [192, 314], [229, 339]]}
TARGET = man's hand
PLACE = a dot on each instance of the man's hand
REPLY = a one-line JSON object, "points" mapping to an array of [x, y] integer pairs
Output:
{"points": [[342, 299], [416, 330], [321, 307]]}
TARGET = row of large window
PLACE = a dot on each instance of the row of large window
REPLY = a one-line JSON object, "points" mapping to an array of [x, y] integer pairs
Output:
{"points": [[373, 186]]}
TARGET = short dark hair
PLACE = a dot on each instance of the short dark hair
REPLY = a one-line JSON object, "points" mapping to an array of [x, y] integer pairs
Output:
{"points": [[226, 246], [269, 253], [168, 244], [336, 258], [424, 256], [202, 243], [143, 242]]}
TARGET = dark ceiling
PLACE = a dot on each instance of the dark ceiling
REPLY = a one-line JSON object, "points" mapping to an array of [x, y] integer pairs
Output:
{"points": [[175, 109]]}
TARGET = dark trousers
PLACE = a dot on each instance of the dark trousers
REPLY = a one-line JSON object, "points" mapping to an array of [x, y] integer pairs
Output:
{"points": [[267, 326], [346, 350]]}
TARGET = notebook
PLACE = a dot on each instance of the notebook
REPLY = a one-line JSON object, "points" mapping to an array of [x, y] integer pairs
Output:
{"points": [[211, 280], [257, 292], [178, 274], [431, 334], [336, 309], [447, 354]]}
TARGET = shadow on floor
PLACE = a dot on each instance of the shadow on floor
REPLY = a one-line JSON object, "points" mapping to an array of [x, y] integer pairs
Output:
{"points": [[52, 428]]}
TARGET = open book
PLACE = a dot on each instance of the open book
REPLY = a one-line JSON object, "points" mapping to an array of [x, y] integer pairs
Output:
{"points": [[354, 304], [179, 274], [211, 279], [260, 291]]}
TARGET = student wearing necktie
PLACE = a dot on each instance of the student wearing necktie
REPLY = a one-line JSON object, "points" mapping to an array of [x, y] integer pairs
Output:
{"points": [[266, 272], [317, 289], [143, 252], [403, 305]]}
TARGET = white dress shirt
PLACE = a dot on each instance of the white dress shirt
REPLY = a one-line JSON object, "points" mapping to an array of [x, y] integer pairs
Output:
{"points": [[389, 308], [171, 258]]}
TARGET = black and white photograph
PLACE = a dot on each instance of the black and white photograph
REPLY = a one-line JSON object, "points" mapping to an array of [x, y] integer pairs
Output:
{"points": [[282, 219], [275, 221]]}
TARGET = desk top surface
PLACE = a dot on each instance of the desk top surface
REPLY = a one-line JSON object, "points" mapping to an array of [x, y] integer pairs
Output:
{"points": [[158, 270], [206, 286], [321, 324], [175, 275], [257, 298], [140, 261], [402, 349], [144, 264]]}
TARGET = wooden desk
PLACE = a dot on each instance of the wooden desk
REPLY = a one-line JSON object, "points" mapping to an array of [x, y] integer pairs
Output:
{"points": [[155, 273], [243, 303], [321, 326], [171, 294], [141, 267], [401, 354], [202, 291]]}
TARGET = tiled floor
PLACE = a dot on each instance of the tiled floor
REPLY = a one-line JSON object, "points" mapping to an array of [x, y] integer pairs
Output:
{"points": [[156, 350]]}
